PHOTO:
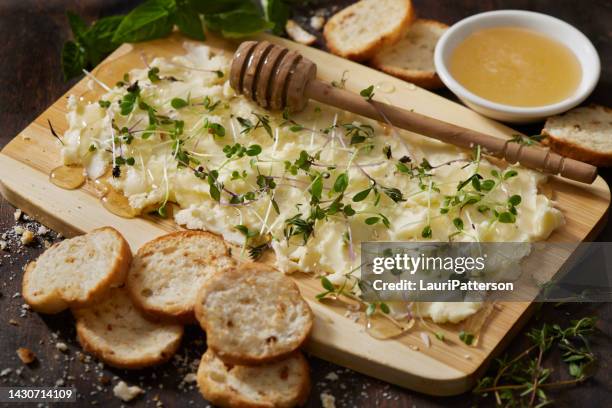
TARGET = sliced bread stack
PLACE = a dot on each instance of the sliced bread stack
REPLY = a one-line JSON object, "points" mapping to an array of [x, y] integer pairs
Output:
{"points": [[255, 320], [84, 273], [386, 33], [254, 317]]}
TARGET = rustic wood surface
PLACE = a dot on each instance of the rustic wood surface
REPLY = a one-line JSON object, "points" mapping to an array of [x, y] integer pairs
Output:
{"points": [[31, 80]]}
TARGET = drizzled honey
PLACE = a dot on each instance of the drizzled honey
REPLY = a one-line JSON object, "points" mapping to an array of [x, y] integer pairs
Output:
{"points": [[68, 177]]}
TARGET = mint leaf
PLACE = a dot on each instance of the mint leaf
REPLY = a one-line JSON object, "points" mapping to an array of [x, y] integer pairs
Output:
{"points": [[188, 20], [152, 19], [100, 35], [73, 60], [220, 6], [277, 13], [238, 23], [77, 25]]}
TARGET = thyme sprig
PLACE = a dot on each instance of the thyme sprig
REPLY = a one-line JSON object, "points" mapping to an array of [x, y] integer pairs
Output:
{"points": [[523, 380]]}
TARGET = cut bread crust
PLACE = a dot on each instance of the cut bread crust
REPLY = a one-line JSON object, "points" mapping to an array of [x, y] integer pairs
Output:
{"points": [[77, 271], [282, 384], [116, 332], [253, 314], [360, 30], [582, 134], [411, 58], [168, 271]]}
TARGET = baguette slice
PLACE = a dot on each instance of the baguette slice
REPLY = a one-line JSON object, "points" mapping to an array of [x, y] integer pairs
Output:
{"points": [[583, 134], [76, 271], [116, 332], [252, 314], [167, 272], [411, 59], [283, 384], [360, 30]]}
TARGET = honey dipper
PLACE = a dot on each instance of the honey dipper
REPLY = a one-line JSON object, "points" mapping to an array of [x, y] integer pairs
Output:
{"points": [[277, 78]]}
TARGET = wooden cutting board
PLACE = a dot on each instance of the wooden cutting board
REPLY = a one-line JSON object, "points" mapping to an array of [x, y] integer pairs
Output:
{"points": [[443, 368]]}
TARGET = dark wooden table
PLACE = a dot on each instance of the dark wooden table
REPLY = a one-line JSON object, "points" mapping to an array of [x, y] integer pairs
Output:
{"points": [[30, 80]]}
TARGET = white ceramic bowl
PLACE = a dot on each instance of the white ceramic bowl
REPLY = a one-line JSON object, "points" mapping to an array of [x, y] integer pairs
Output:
{"points": [[557, 29]]}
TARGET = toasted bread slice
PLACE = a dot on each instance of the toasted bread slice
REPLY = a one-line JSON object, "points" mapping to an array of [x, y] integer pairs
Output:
{"points": [[583, 134], [252, 314], [360, 30], [282, 384], [167, 272], [116, 332], [76, 271], [412, 57]]}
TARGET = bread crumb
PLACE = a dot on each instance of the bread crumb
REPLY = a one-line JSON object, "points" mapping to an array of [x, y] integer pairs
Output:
{"points": [[6, 372], [27, 237], [190, 378], [26, 355], [61, 346], [42, 230], [18, 229], [298, 34], [328, 400], [3, 245], [317, 22], [17, 214], [331, 376], [125, 392]]}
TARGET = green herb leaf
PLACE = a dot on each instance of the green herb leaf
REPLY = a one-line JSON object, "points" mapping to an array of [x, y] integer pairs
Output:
{"points": [[341, 183], [77, 25], [510, 174], [276, 12], [152, 19], [458, 223], [73, 60], [216, 129], [467, 338], [514, 200], [372, 220], [253, 150], [348, 210], [385, 308], [316, 189], [371, 309], [362, 195], [237, 23], [152, 74], [219, 6], [506, 217], [487, 185], [393, 193], [188, 20], [426, 233], [178, 103], [327, 285], [367, 93]]}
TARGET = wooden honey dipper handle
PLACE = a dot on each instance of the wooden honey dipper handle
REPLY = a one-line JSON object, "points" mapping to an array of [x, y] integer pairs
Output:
{"points": [[277, 78]]}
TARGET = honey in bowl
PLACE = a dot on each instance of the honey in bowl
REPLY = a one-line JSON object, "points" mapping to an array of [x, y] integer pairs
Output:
{"points": [[516, 66]]}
